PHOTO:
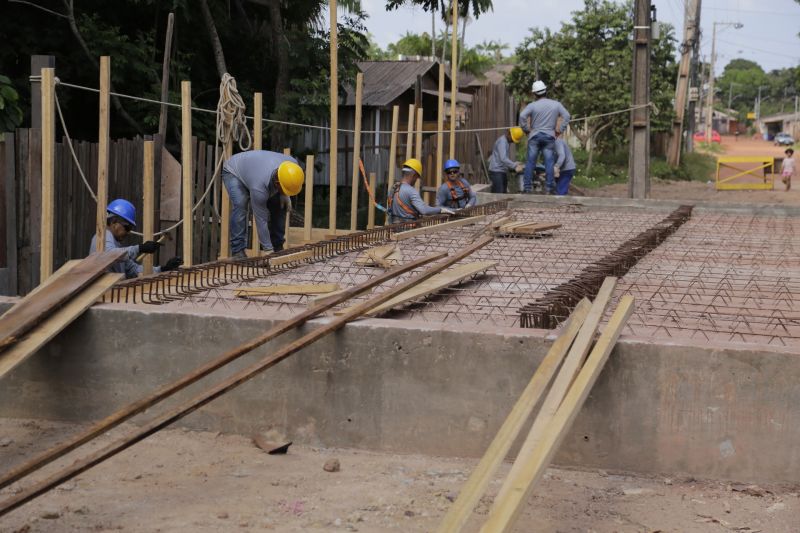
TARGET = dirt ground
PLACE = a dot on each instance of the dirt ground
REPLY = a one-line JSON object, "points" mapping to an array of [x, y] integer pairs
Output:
{"points": [[705, 191], [202, 482]]}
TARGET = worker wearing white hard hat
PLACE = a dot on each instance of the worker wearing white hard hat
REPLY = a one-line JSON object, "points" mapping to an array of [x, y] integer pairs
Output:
{"points": [[539, 120]]}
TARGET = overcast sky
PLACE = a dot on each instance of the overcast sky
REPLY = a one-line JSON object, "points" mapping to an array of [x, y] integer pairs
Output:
{"points": [[769, 35]]}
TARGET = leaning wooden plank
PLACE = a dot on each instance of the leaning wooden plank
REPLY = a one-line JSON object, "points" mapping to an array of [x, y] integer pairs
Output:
{"points": [[571, 367], [52, 325], [437, 227], [66, 267], [434, 284], [368, 257], [34, 308], [298, 288], [532, 466], [476, 485]]}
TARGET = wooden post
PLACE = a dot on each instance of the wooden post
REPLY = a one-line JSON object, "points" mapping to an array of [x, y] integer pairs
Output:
{"points": [[287, 151], [418, 151], [334, 147], [356, 154], [186, 166], [258, 139], [392, 155], [162, 117], [307, 216], [373, 179], [453, 80], [148, 204], [48, 172], [440, 129], [102, 152]]}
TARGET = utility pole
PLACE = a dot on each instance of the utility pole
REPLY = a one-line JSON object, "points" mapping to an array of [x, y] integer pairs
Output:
{"points": [[694, 90], [710, 111], [639, 162], [690, 34]]}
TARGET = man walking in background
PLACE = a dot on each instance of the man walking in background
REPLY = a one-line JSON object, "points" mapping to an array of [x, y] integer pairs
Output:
{"points": [[539, 120]]}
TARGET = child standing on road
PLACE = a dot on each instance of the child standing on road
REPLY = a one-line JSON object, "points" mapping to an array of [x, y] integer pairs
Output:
{"points": [[787, 169]]}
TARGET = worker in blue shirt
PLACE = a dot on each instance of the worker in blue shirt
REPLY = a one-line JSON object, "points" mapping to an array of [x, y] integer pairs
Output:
{"points": [[564, 169], [404, 203], [120, 221], [455, 192]]}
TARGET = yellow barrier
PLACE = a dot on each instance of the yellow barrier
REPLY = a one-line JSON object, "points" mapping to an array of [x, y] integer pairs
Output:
{"points": [[751, 178]]}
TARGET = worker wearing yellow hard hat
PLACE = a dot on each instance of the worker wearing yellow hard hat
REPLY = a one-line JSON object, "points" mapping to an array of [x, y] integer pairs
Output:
{"points": [[262, 181], [501, 163], [404, 203]]}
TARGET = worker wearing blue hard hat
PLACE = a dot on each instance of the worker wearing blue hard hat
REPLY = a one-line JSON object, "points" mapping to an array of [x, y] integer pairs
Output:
{"points": [[455, 192], [120, 222]]}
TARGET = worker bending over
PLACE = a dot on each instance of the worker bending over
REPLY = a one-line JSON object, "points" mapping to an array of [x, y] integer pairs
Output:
{"points": [[120, 221], [264, 181], [564, 169], [500, 162], [542, 131], [404, 202], [455, 192]]}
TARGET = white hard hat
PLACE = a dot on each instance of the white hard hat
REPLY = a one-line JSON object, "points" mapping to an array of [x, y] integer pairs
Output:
{"points": [[538, 87]]}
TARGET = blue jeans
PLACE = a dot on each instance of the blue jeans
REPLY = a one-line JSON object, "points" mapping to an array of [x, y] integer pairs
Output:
{"points": [[562, 185], [271, 228], [499, 181], [546, 144]]}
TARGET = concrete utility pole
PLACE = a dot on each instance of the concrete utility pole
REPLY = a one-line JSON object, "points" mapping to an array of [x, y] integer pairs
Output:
{"points": [[639, 162], [694, 90], [710, 100], [691, 18]]}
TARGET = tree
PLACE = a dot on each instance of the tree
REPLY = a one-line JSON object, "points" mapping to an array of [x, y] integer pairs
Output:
{"points": [[476, 8], [10, 112], [431, 6]]}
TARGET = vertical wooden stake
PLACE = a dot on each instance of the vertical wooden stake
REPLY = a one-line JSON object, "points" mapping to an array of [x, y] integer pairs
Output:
{"points": [[102, 152], [334, 147], [225, 215], [371, 213], [356, 154], [258, 139], [287, 151], [440, 129], [186, 166], [48, 173], [307, 216], [148, 204], [453, 80], [410, 133], [392, 154], [418, 151]]}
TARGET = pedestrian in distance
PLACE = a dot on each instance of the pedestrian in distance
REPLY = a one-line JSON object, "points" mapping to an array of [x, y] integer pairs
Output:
{"points": [[564, 168], [455, 192], [539, 120], [263, 181], [500, 162], [788, 168], [404, 203], [120, 221]]}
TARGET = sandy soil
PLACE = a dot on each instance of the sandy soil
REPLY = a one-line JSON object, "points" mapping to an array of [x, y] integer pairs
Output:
{"points": [[202, 482]]}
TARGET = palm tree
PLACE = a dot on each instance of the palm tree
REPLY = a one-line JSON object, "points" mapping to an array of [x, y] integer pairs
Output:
{"points": [[477, 8]]}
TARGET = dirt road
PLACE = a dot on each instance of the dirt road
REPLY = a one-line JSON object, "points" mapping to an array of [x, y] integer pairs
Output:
{"points": [[205, 482]]}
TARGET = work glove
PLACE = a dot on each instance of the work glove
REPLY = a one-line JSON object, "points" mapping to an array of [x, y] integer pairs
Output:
{"points": [[519, 168], [556, 172], [149, 247], [172, 264], [447, 211], [286, 202]]}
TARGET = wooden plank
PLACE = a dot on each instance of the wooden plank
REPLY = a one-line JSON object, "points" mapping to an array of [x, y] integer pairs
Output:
{"points": [[48, 156], [288, 222], [454, 62], [148, 203], [438, 227], [373, 182], [410, 133], [532, 466], [572, 365], [10, 215], [298, 288], [333, 159], [392, 154], [102, 152], [186, 171], [258, 109], [369, 256], [500, 222], [479, 480], [354, 188], [418, 148], [440, 129], [308, 207], [436, 283], [56, 322], [290, 258], [32, 309]]}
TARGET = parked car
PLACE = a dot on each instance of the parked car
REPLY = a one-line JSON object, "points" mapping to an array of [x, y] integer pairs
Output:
{"points": [[700, 137], [783, 139]]}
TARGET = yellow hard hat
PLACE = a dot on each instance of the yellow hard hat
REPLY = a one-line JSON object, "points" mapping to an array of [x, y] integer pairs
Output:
{"points": [[516, 133], [290, 178], [414, 164]]}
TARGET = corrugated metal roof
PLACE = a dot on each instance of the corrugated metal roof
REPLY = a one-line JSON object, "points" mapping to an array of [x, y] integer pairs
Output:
{"points": [[385, 81]]}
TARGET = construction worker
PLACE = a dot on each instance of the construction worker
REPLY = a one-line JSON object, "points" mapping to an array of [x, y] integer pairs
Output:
{"points": [[120, 221], [264, 181], [500, 162], [404, 203], [542, 131], [455, 192], [564, 168]]}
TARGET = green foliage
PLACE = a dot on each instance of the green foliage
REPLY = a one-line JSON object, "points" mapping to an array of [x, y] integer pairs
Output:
{"points": [[611, 168], [10, 112], [740, 82]]}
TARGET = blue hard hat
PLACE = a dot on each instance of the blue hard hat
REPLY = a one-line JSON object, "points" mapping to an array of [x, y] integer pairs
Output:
{"points": [[451, 163], [122, 209]]}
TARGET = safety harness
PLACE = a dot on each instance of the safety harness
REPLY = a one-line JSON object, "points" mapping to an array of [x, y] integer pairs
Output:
{"points": [[395, 197], [454, 194]]}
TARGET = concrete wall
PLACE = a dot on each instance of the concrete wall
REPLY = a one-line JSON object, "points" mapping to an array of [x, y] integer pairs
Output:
{"points": [[716, 412]]}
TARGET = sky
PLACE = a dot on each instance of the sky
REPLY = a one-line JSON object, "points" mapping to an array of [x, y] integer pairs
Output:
{"points": [[769, 36]]}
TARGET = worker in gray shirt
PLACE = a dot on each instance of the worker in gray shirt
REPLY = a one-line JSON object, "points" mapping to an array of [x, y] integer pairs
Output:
{"points": [[500, 162], [564, 169], [404, 203], [539, 119], [263, 181], [455, 192]]}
